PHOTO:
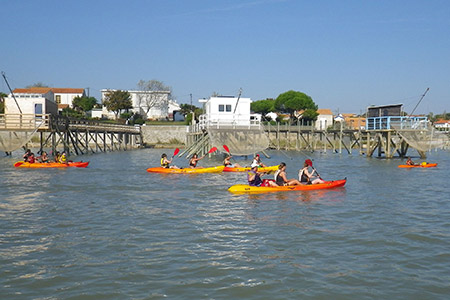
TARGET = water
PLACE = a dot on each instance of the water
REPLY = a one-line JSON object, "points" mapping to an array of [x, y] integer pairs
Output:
{"points": [[114, 231]]}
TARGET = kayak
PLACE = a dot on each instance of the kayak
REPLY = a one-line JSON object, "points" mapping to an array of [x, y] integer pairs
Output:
{"points": [[418, 166], [245, 188], [78, 164], [218, 169], [245, 169]]}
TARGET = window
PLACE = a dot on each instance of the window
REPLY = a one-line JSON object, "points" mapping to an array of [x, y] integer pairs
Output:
{"points": [[221, 107], [228, 107], [58, 99]]}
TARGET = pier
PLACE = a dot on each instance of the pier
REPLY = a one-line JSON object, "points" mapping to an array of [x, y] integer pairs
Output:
{"points": [[74, 136]]}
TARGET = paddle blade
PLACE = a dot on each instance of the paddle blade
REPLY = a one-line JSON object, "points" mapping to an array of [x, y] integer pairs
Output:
{"points": [[176, 151], [226, 148], [18, 163], [213, 149]]}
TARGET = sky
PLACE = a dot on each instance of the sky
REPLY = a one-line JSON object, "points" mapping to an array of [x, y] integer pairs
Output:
{"points": [[346, 55]]}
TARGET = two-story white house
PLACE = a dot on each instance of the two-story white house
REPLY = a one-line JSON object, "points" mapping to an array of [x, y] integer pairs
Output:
{"points": [[64, 96], [228, 111], [150, 104]]}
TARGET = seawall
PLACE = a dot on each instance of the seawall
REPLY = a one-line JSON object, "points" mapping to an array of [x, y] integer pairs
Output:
{"points": [[160, 134]]}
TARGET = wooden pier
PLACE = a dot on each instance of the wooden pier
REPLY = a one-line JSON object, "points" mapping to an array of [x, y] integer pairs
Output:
{"points": [[74, 136]]}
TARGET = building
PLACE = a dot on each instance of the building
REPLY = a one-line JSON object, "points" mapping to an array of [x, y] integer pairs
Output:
{"points": [[390, 116], [33, 101], [442, 124], [324, 119], [64, 96], [228, 111], [154, 105]]}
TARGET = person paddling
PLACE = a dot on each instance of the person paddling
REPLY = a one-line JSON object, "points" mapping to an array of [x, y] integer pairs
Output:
{"points": [[409, 162], [227, 162], [254, 178], [44, 157], [280, 176], [257, 162], [306, 177], [194, 160], [165, 162], [26, 155]]}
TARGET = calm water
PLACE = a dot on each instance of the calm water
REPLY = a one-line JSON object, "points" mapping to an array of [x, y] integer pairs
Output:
{"points": [[114, 231]]}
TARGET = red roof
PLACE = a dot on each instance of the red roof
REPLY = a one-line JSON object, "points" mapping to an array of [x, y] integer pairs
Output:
{"points": [[442, 122], [44, 90]]}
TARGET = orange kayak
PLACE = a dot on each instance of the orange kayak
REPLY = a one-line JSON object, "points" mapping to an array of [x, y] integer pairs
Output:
{"points": [[79, 164], [218, 169], [418, 166], [245, 188]]}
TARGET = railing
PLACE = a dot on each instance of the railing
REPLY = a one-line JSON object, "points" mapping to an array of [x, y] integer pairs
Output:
{"points": [[24, 121], [396, 122], [101, 126], [253, 122]]}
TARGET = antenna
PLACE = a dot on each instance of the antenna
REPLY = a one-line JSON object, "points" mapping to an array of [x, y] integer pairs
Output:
{"points": [[3, 74], [419, 102], [237, 102]]}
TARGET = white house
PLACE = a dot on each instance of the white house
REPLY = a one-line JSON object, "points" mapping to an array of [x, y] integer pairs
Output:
{"points": [[442, 124], [158, 101], [324, 119], [64, 96], [31, 101], [227, 110]]}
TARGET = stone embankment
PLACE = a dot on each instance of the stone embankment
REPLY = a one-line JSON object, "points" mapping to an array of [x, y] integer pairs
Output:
{"points": [[157, 135]]}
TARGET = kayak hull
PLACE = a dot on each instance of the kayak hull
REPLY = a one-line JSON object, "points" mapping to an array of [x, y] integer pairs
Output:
{"points": [[245, 188], [245, 169], [217, 169], [79, 164], [418, 166]]}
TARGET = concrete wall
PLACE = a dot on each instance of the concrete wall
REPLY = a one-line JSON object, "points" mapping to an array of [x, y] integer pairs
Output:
{"points": [[163, 134]]}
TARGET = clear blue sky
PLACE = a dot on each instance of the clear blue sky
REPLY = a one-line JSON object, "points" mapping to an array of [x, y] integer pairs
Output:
{"points": [[346, 55]]}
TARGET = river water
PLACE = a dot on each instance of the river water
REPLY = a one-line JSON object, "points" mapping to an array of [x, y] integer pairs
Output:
{"points": [[114, 231]]}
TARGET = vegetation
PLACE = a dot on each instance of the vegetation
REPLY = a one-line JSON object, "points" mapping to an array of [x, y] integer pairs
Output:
{"points": [[37, 84], [153, 96], [73, 113], [443, 116], [116, 101], [187, 109], [293, 101], [84, 103], [263, 106], [2, 102]]}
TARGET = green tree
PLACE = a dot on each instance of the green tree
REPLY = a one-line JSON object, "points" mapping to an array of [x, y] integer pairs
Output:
{"points": [[116, 101], [2, 102], [84, 103], [263, 106], [37, 84], [292, 101]]}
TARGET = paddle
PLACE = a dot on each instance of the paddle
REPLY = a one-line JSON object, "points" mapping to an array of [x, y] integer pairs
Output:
{"points": [[213, 149], [175, 153], [227, 149], [18, 163]]}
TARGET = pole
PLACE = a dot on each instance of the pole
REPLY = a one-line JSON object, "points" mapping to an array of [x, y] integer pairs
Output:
{"points": [[419, 102], [3, 74]]}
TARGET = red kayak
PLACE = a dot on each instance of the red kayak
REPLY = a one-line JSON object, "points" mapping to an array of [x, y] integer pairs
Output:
{"points": [[78, 164], [418, 166]]}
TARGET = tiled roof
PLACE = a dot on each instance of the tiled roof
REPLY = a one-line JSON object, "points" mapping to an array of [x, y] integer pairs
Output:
{"points": [[324, 111], [44, 90]]}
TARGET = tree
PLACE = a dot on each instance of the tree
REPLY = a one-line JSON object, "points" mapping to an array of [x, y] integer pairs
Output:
{"points": [[153, 95], [2, 102], [293, 101], [37, 84], [84, 103], [117, 100], [263, 106]]}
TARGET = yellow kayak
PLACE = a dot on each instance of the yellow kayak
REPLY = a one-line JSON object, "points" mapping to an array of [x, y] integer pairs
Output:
{"points": [[218, 169], [245, 169]]}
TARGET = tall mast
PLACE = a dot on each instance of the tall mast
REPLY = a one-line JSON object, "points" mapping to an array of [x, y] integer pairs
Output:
{"points": [[3, 74]]}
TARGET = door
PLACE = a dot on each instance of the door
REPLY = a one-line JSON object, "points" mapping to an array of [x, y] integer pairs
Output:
{"points": [[38, 109]]}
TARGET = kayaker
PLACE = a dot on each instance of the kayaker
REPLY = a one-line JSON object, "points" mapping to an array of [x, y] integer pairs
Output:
{"points": [[63, 158], [409, 162], [26, 155], [227, 162], [194, 160], [56, 157], [165, 163], [44, 157], [257, 162], [280, 176], [31, 158], [306, 177]]}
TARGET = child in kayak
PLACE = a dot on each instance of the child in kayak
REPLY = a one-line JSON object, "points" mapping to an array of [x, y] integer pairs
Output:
{"points": [[306, 177], [409, 162], [227, 162], [254, 178], [194, 160], [26, 155], [165, 163], [280, 176], [44, 157], [257, 162], [31, 158]]}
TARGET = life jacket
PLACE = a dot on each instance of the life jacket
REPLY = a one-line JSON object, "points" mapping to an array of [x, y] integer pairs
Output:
{"points": [[62, 159], [278, 179], [164, 165], [302, 177], [31, 159], [256, 181]]}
